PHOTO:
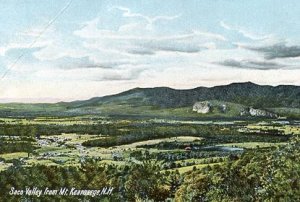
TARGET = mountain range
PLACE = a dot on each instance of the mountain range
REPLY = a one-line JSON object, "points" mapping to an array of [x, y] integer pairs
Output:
{"points": [[282, 99]]}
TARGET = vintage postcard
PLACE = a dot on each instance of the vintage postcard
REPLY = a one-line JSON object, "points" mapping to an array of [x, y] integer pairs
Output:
{"points": [[131, 100]]}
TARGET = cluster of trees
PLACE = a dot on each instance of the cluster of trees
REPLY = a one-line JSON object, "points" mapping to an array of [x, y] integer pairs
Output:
{"points": [[18, 130], [17, 138], [37, 130], [172, 156], [94, 129], [178, 155], [16, 146]]}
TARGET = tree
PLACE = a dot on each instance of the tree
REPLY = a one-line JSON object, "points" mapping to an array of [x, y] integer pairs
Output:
{"points": [[145, 181]]}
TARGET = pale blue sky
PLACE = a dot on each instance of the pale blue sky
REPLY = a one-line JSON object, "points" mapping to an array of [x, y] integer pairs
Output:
{"points": [[83, 48]]}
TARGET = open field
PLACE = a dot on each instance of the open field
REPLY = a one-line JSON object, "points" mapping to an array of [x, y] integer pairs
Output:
{"points": [[252, 145], [186, 139], [16, 155], [286, 129], [190, 168], [67, 121]]}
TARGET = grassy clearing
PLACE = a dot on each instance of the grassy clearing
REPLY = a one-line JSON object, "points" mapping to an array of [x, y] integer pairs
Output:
{"points": [[190, 168], [71, 138], [76, 120], [65, 122], [286, 129], [252, 145], [47, 162], [4, 166], [156, 141], [15, 155], [119, 163], [45, 149]]}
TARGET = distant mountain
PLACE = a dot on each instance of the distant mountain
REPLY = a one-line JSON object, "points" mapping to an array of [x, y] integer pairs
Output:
{"points": [[249, 94], [283, 100]]}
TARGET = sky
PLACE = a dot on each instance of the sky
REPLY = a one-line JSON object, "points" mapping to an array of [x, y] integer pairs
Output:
{"points": [[64, 50]]}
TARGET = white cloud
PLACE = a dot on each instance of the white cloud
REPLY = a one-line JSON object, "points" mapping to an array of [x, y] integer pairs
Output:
{"points": [[150, 20], [20, 45], [244, 32], [89, 74], [33, 37], [133, 42]]}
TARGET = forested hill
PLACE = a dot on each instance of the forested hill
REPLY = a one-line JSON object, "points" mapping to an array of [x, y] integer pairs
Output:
{"points": [[248, 93], [283, 100]]}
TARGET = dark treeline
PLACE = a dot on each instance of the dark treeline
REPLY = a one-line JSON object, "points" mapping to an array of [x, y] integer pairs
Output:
{"points": [[172, 156], [18, 130], [53, 129], [113, 129], [15, 146]]}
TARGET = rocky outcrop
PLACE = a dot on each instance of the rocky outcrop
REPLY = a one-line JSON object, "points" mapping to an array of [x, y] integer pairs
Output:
{"points": [[202, 107], [257, 112], [260, 112], [244, 112], [223, 108]]}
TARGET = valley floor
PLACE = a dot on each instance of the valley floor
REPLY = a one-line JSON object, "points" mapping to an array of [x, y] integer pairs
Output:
{"points": [[179, 147]]}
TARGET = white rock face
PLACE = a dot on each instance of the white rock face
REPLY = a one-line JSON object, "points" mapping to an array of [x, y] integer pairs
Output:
{"points": [[257, 112], [202, 107], [260, 112], [223, 108]]}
